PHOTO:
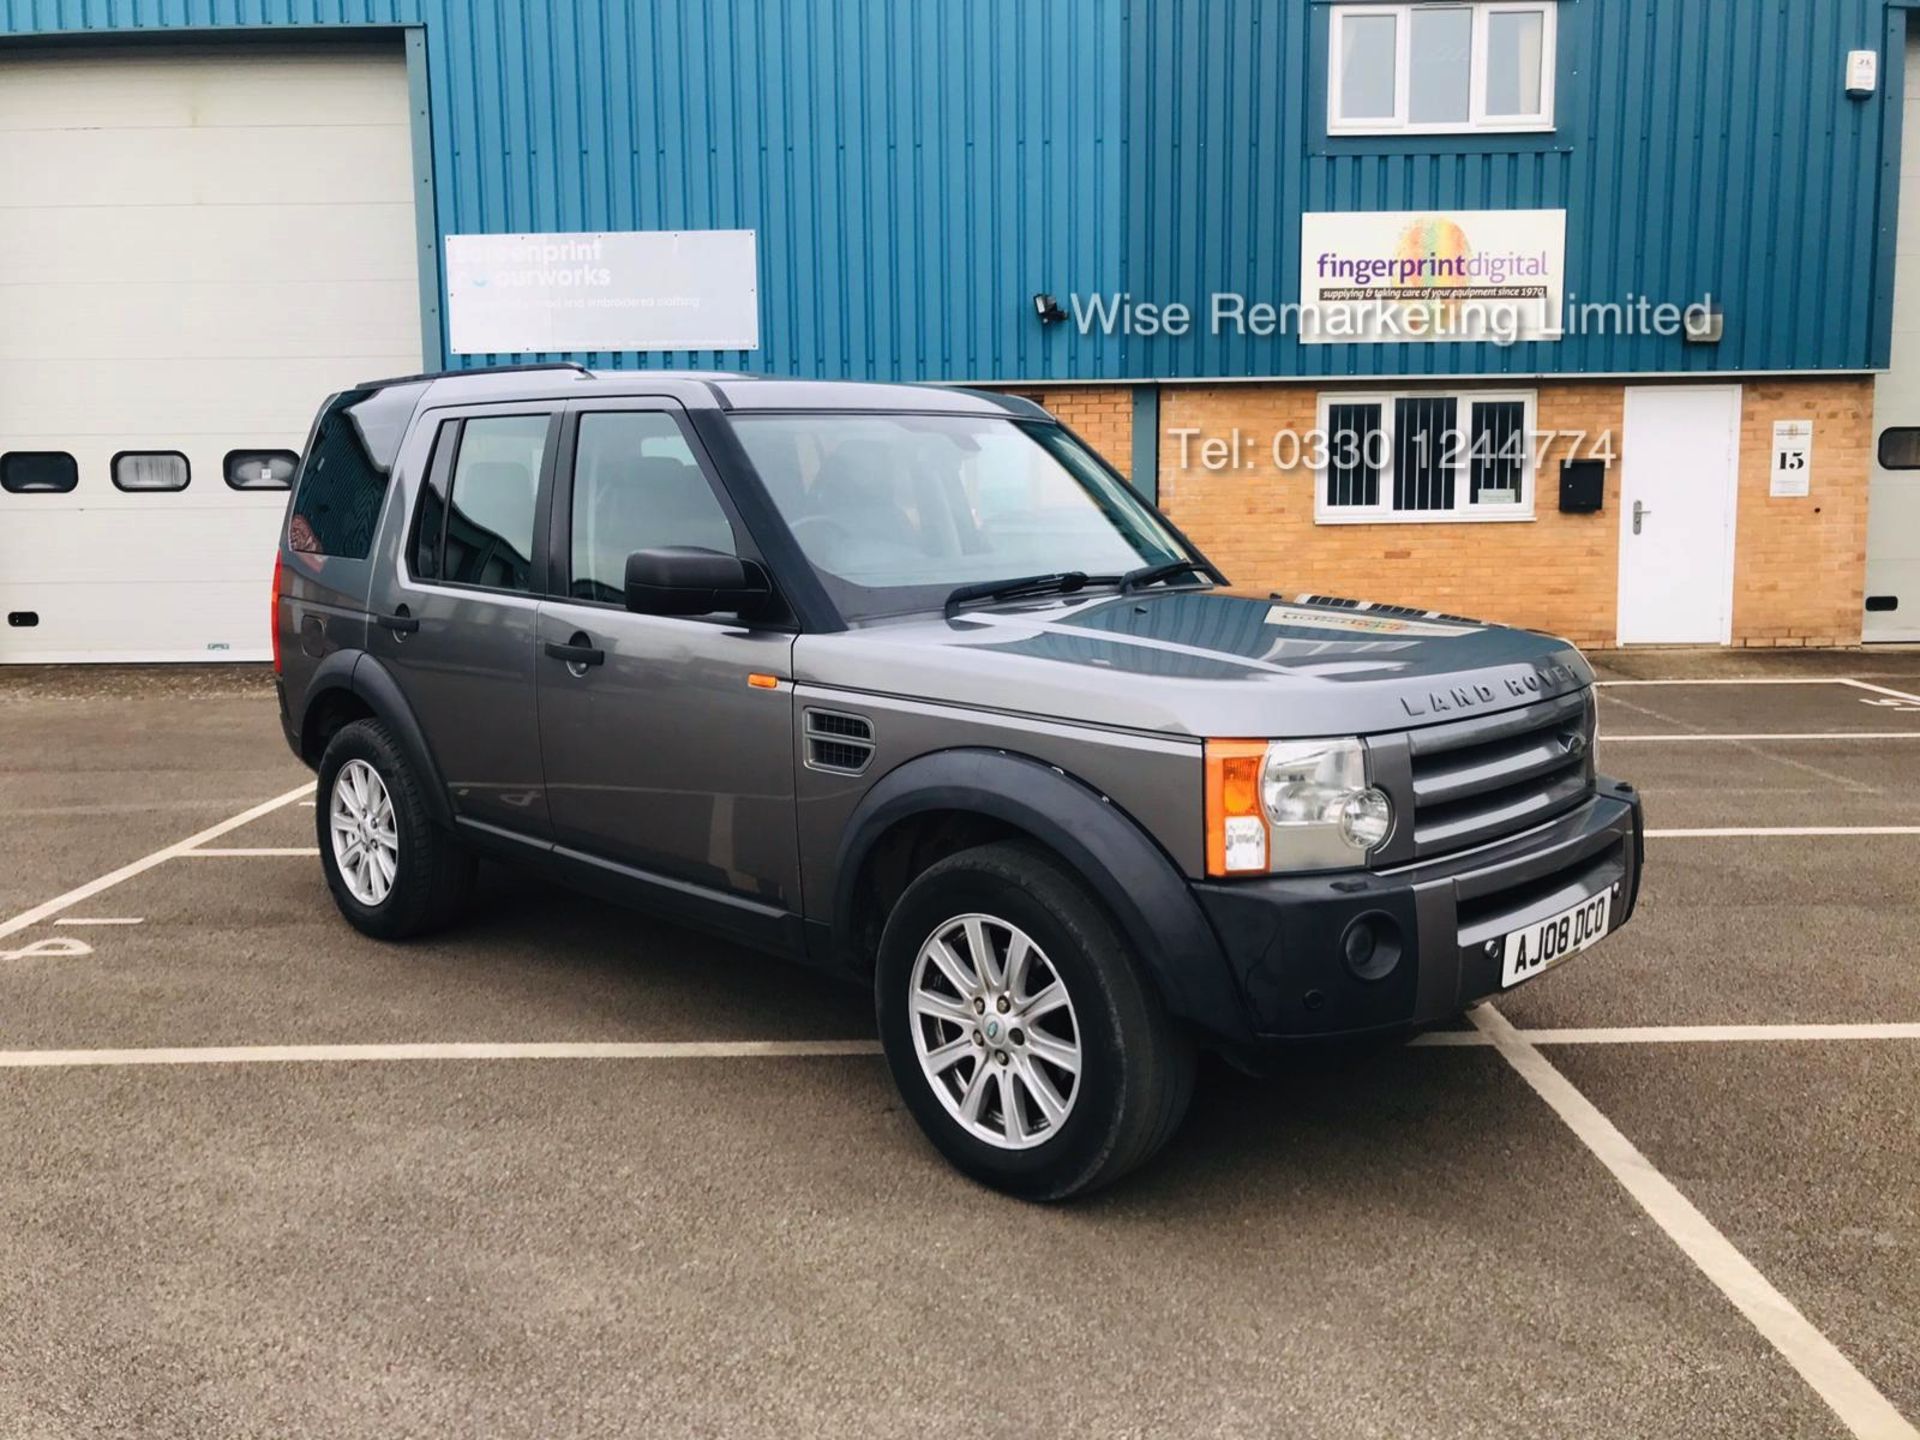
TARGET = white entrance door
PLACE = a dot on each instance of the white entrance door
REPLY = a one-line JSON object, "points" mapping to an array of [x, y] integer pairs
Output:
{"points": [[1680, 461], [196, 247], [1893, 507]]}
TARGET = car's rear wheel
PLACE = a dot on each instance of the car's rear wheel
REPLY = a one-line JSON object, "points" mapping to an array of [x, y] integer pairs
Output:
{"points": [[1021, 1029], [392, 871]]}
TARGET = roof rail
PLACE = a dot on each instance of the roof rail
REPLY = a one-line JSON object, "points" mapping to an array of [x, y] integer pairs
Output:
{"points": [[475, 370]]}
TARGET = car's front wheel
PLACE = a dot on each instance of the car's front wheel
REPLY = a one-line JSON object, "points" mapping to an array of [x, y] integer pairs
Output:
{"points": [[1021, 1029], [392, 871]]}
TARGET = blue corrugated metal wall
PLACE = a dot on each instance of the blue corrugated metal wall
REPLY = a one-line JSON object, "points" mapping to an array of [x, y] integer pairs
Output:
{"points": [[1702, 146], [916, 169]]}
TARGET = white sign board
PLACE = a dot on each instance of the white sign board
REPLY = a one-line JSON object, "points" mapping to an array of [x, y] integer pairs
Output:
{"points": [[1792, 458], [1431, 276], [627, 290]]}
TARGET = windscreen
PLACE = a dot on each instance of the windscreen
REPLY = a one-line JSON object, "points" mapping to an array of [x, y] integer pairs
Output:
{"points": [[896, 511]]}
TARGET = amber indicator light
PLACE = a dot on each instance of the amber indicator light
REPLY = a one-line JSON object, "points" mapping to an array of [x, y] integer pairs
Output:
{"points": [[1233, 790]]}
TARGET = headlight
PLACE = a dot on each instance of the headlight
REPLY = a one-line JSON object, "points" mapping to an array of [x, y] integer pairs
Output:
{"points": [[1286, 805]]}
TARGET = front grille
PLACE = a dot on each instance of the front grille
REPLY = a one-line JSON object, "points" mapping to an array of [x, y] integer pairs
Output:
{"points": [[1479, 780]]}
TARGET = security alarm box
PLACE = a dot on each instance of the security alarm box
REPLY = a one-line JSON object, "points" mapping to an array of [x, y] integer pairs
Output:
{"points": [[1863, 73]]}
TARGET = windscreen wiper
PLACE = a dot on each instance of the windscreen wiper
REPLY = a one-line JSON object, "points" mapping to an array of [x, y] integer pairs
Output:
{"points": [[1065, 582], [1153, 574]]}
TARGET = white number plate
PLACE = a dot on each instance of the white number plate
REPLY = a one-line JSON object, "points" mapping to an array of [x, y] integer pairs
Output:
{"points": [[1552, 940]]}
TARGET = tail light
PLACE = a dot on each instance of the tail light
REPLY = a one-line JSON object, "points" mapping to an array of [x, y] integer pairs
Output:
{"points": [[273, 623]]}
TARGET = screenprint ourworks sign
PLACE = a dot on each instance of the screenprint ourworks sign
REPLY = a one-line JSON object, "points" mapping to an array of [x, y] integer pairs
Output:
{"points": [[1431, 276], [620, 290]]}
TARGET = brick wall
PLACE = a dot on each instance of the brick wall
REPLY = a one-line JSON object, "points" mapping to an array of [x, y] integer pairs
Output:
{"points": [[1799, 567]]}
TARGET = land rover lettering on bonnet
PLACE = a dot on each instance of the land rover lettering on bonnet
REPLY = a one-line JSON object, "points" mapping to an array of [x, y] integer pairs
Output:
{"points": [[908, 684]]}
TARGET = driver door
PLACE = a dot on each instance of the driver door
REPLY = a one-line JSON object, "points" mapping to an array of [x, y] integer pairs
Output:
{"points": [[667, 750]]}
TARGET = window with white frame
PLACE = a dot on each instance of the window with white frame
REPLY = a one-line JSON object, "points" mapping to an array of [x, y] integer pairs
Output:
{"points": [[1441, 69], [1425, 456]]}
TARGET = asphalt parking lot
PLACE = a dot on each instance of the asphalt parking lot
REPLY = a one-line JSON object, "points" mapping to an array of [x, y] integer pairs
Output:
{"points": [[566, 1171]]}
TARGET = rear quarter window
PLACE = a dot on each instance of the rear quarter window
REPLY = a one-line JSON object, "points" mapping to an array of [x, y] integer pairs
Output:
{"points": [[343, 479]]}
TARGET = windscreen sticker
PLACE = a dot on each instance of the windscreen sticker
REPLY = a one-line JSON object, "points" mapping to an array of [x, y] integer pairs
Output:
{"points": [[1360, 622]]}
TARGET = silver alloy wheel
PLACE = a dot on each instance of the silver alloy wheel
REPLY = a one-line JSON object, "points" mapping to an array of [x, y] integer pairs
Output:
{"points": [[366, 843], [995, 1031]]}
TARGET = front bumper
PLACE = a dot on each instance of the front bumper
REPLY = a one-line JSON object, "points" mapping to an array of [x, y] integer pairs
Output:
{"points": [[1284, 938]]}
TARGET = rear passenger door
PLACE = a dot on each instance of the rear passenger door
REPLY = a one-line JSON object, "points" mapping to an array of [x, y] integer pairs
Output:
{"points": [[661, 757], [454, 621]]}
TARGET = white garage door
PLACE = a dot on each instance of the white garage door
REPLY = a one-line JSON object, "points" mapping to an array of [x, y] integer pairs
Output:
{"points": [[195, 249], [1893, 510]]}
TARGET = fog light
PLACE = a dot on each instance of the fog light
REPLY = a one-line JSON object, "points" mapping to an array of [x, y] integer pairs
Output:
{"points": [[1360, 946], [1370, 946]]}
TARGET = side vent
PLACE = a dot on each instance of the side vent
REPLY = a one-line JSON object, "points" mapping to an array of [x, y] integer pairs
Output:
{"points": [[838, 742]]}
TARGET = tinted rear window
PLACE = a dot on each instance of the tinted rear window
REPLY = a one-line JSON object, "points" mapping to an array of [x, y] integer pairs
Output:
{"points": [[343, 480]]}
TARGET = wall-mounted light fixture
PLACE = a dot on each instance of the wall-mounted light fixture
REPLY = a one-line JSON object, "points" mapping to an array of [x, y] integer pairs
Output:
{"points": [[1704, 323], [1045, 307]]}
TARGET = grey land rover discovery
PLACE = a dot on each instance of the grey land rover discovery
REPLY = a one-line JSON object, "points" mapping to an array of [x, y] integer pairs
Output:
{"points": [[906, 683]]}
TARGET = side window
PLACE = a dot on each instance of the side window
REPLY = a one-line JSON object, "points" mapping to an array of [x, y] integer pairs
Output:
{"points": [[430, 525], [496, 477], [636, 486]]}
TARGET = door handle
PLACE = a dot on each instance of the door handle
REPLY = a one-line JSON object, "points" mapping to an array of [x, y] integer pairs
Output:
{"points": [[578, 653], [1640, 512], [400, 622]]}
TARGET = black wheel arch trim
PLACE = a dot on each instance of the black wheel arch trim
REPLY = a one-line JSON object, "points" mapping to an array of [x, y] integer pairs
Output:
{"points": [[1099, 842], [367, 680]]}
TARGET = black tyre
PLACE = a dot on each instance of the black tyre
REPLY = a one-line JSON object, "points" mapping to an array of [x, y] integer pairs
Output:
{"points": [[1022, 1031], [392, 871]]}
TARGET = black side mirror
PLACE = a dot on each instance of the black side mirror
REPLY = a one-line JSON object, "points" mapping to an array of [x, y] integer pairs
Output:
{"points": [[688, 580]]}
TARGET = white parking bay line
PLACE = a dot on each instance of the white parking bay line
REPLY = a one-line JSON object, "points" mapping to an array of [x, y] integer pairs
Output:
{"points": [[1780, 831], [159, 857], [254, 852], [1681, 1034], [450, 1050], [1849, 1394], [101, 920], [1719, 1034], [1764, 735]]}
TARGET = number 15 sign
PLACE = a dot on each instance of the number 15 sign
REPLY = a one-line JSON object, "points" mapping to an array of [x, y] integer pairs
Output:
{"points": [[1792, 458]]}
